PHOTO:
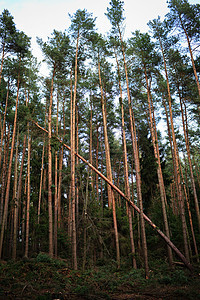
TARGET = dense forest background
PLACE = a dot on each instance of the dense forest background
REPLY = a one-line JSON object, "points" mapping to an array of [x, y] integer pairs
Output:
{"points": [[110, 137]]}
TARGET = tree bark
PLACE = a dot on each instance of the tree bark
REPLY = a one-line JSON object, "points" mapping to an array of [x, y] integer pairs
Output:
{"points": [[127, 186], [9, 169], [176, 158], [137, 164], [28, 194], [159, 169], [50, 168], [111, 199]]}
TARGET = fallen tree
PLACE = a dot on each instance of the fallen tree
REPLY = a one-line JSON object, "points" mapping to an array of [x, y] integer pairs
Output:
{"points": [[161, 234]]}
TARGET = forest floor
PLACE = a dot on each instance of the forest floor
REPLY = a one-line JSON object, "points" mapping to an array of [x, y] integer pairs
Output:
{"points": [[43, 278]]}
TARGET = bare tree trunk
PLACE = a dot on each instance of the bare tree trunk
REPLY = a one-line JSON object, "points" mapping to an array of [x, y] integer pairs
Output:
{"points": [[56, 192], [16, 212], [190, 216], [77, 164], [111, 199], [137, 164], [4, 120], [90, 149], [14, 238], [28, 194], [9, 170], [73, 147], [127, 186], [185, 129], [4, 172], [50, 169], [176, 158], [159, 169], [97, 163], [42, 170]]}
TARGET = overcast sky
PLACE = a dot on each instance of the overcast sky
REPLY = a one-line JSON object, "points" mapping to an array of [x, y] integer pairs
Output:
{"points": [[41, 17]]}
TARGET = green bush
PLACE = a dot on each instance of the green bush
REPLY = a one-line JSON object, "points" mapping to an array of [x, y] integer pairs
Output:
{"points": [[43, 257]]}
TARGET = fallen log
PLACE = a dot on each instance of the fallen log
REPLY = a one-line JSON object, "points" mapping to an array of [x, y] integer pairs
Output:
{"points": [[162, 235]]}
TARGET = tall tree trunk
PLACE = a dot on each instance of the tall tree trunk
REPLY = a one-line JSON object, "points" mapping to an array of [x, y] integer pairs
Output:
{"points": [[16, 212], [4, 171], [42, 169], [4, 120], [50, 169], [60, 171], [137, 164], [28, 194], [97, 162], [14, 238], [127, 186], [9, 169], [159, 169], [77, 165], [56, 191], [185, 130], [73, 147], [190, 216], [176, 158], [111, 199]]}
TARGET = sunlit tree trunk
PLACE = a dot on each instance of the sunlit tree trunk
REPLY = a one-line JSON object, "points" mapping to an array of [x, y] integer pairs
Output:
{"points": [[111, 199], [16, 212], [56, 191], [4, 171], [50, 169], [176, 159], [4, 121], [73, 147], [9, 170], [137, 164], [42, 171], [185, 130], [127, 186], [28, 194], [153, 131]]}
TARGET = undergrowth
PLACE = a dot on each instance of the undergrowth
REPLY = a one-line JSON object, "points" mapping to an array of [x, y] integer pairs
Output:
{"points": [[46, 278]]}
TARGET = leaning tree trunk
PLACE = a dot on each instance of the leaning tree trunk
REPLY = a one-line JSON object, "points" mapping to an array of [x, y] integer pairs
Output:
{"points": [[161, 234]]}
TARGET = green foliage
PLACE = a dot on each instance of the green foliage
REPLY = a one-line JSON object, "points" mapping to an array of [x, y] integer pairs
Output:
{"points": [[178, 277], [115, 13], [43, 257], [185, 16], [51, 278], [55, 144], [82, 24]]}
